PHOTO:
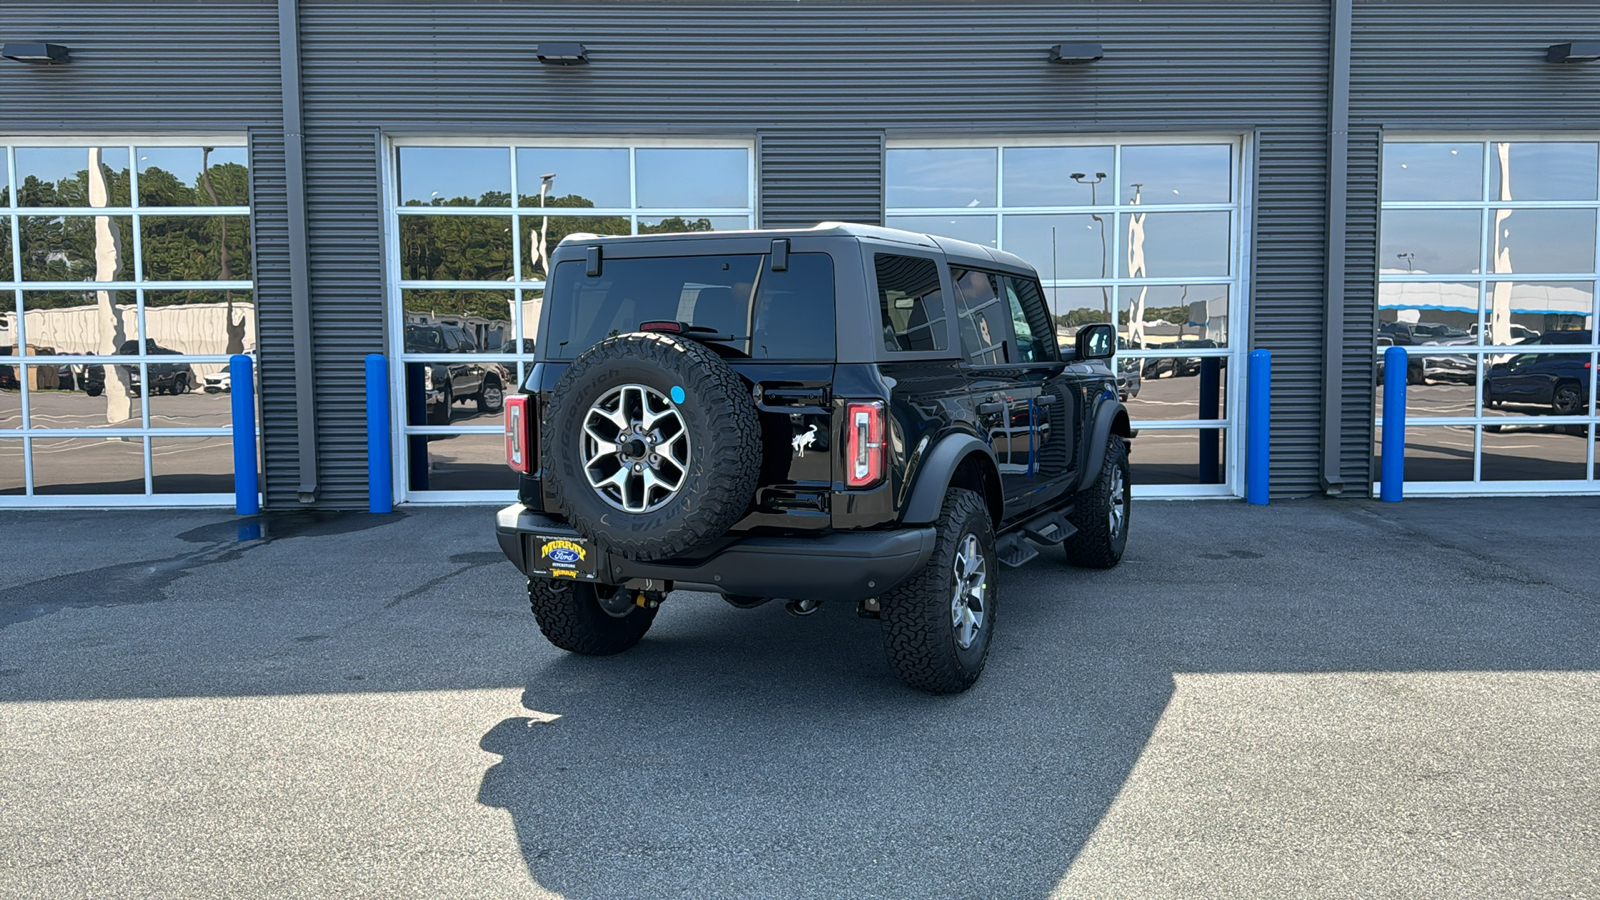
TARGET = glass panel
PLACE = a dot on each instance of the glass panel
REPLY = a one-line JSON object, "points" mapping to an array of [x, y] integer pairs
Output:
{"points": [[532, 303], [465, 462], [977, 229], [177, 401], [945, 177], [1164, 245], [59, 176], [10, 395], [680, 224], [1158, 315], [90, 465], [551, 229], [1420, 312], [201, 322], [1452, 171], [195, 248], [1534, 452], [455, 248], [1056, 176], [9, 323], [11, 463], [1439, 453], [577, 177], [194, 176], [1522, 311], [794, 315], [192, 465], [6, 260], [454, 393], [98, 323], [1176, 174], [454, 176], [5, 180], [1177, 388], [76, 248], [477, 320], [693, 178], [1431, 240], [1438, 385], [1178, 456], [982, 318], [52, 404], [1542, 171], [1539, 383], [1030, 321], [1077, 306], [1081, 248], [910, 303], [1542, 240]]}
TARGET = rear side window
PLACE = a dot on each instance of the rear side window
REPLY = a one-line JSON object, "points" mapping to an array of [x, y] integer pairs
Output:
{"points": [[771, 315], [910, 303], [981, 317]]}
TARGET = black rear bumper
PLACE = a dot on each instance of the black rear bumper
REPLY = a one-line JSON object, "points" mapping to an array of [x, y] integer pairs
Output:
{"points": [[847, 566]]}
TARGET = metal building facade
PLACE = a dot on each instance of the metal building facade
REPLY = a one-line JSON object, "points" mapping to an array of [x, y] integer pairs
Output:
{"points": [[820, 88]]}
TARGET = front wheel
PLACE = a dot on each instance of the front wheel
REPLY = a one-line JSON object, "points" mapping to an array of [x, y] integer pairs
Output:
{"points": [[1568, 401], [594, 620], [937, 626], [1101, 513]]}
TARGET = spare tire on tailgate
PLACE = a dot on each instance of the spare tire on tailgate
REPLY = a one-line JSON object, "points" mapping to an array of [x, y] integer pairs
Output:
{"points": [[653, 445]]}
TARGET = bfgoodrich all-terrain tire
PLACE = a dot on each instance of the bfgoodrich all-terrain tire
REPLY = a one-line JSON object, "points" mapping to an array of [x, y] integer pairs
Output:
{"points": [[654, 445], [1101, 513], [577, 617], [937, 625]]}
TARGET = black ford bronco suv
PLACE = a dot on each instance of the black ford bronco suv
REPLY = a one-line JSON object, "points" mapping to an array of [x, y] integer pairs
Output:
{"points": [[844, 413]]}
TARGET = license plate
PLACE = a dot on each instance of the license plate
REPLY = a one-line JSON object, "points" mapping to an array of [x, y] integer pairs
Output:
{"points": [[563, 557]]}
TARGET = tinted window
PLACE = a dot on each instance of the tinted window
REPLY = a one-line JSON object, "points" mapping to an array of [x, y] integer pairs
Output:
{"points": [[1030, 319], [792, 315], [981, 317], [910, 303]]}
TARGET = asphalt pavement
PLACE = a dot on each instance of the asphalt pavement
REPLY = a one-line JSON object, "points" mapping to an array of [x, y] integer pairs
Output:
{"points": [[1312, 699]]}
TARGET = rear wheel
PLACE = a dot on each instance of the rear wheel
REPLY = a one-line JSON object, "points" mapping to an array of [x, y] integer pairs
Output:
{"points": [[491, 397], [580, 617], [1101, 513], [937, 626]]}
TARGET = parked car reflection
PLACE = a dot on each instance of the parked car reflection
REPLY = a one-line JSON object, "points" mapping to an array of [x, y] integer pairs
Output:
{"points": [[446, 384], [1556, 383]]}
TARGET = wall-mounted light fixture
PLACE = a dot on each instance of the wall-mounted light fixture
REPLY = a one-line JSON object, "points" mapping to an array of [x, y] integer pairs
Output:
{"points": [[1076, 53], [1573, 52], [562, 54], [41, 54]]}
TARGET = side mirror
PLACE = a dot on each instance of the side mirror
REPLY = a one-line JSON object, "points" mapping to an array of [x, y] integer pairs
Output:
{"points": [[1097, 341]]}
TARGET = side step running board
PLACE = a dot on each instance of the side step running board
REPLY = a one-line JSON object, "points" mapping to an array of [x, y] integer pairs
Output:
{"points": [[1014, 547]]}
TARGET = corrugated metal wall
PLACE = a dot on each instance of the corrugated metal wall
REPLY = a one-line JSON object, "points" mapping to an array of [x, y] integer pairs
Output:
{"points": [[821, 84]]}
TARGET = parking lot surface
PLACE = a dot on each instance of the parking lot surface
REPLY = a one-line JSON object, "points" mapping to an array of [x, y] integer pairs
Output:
{"points": [[1313, 699]]}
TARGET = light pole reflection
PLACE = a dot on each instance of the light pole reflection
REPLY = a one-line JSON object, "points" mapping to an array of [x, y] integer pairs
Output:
{"points": [[1105, 292]]}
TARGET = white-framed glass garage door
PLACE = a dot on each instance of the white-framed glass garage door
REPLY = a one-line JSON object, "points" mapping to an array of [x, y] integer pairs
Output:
{"points": [[471, 225], [125, 285], [1146, 233], [1488, 256]]}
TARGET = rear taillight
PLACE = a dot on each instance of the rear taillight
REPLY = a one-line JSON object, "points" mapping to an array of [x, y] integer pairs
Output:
{"points": [[864, 459], [519, 450]]}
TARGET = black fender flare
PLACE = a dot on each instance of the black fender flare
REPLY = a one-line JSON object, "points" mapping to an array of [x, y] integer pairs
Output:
{"points": [[938, 468], [1110, 417]]}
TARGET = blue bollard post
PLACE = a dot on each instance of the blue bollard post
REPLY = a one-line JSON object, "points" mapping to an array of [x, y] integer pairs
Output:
{"points": [[1393, 473], [380, 446], [1257, 458], [246, 478]]}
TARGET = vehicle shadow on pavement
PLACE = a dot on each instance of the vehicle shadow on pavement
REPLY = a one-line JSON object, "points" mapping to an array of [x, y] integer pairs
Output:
{"points": [[747, 754]]}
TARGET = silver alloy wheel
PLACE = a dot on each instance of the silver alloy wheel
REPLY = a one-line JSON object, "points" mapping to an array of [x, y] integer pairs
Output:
{"points": [[635, 448], [972, 585], [1119, 501]]}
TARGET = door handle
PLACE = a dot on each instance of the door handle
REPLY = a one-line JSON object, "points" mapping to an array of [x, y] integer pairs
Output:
{"points": [[1046, 400], [991, 408]]}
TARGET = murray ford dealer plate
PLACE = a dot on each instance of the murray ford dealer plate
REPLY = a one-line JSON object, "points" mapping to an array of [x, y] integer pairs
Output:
{"points": [[562, 557]]}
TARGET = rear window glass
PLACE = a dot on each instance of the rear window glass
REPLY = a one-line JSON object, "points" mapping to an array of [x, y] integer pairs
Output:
{"points": [[910, 303], [771, 315]]}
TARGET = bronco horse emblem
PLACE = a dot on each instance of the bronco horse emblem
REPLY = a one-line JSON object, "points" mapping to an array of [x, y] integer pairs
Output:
{"points": [[802, 441]]}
